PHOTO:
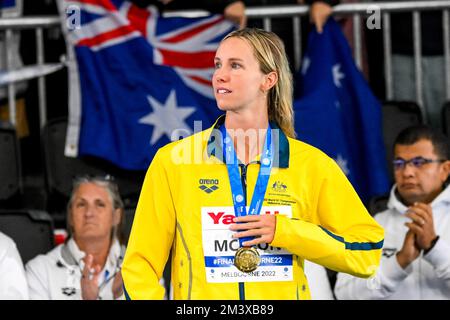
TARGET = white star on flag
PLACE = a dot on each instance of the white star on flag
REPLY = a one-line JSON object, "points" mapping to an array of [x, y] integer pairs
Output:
{"points": [[306, 64], [342, 163], [337, 75], [337, 104], [166, 118]]}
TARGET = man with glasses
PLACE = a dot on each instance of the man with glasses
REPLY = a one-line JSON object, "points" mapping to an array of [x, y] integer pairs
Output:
{"points": [[416, 252]]}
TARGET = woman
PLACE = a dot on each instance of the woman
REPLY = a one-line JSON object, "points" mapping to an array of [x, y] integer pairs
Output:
{"points": [[88, 265], [301, 204]]}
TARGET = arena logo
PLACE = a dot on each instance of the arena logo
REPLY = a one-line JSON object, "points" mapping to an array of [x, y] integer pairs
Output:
{"points": [[68, 291], [209, 185]]}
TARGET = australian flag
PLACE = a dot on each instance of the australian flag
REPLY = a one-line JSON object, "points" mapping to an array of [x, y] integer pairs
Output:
{"points": [[138, 80], [7, 4], [338, 113]]}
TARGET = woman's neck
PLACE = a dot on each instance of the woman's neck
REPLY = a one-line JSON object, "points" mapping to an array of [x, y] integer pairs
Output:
{"points": [[248, 131], [98, 249]]}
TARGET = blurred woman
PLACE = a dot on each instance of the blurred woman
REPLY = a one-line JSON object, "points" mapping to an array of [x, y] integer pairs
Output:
{"points": [[87, 266]]}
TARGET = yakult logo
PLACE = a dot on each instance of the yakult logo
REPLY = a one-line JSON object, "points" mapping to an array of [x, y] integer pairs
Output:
{"points": [[222, 218]]}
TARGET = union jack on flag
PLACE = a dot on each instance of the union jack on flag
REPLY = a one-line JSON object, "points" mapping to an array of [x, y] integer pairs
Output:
{"points": [[136, 77]]}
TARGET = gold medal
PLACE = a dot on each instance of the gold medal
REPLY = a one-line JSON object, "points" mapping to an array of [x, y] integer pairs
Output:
{"points": [[247, 259]]}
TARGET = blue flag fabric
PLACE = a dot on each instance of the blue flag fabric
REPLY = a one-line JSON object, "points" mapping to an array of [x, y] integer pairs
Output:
{"points": [[338, 113], [141, 77], [7, 4]]}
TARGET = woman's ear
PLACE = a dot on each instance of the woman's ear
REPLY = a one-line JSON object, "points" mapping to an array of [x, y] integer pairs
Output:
{"points": [[117, 216], [270, 80]]}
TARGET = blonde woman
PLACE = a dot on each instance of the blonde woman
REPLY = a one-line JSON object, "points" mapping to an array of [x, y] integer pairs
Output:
{"points": [[243, 204]]}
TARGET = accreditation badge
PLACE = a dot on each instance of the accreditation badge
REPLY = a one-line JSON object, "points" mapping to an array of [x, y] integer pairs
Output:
{"points": [[219, 249]]}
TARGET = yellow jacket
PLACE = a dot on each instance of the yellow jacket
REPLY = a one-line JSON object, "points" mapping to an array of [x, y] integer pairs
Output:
{"points": [[329, 225]]}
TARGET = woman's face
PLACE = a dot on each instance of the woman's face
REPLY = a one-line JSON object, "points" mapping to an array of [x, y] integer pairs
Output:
{"points": [[93, 216], [237, 81]]}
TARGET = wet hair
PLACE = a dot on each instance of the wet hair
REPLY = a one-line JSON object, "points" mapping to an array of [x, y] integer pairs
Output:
{"points": [[112, 189], [415, 133], [269, 51]]}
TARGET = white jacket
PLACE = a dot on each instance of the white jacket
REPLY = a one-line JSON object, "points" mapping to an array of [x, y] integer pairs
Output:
{"points": [[13, 284], [319, 284], [427, 277], [57, 274]]}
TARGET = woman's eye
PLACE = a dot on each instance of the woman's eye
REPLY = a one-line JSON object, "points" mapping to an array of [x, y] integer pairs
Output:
{"points": [[217, 65], [235, 65], [79, 205]]}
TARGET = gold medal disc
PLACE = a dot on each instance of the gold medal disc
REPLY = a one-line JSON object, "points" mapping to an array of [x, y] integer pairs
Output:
{"points": [[247, 259]]}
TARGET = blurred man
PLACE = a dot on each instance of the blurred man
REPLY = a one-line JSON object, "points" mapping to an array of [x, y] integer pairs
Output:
{"points": [[416, 252]]}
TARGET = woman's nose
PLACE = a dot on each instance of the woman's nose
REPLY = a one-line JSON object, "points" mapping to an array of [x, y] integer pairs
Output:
{"points": [[89, 211], [220, 75]]}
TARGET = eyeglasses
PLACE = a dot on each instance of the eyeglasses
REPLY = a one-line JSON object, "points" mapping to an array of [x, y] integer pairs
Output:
{"points": [[91, 177], [417, 162]]}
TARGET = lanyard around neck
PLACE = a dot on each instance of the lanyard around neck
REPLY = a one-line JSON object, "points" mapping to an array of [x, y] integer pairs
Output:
{"points": [[237, 191]]}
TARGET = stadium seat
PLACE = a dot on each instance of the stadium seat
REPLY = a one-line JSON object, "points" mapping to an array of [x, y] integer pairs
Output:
{"points": [[10, 166], [127, 222], [32, 231], [397, 115], [446, 118], [378, 204], [60, 170]]}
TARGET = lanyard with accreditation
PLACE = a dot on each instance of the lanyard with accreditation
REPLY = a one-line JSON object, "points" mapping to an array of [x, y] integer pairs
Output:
{"points": [[226, 259], [247, 259]]}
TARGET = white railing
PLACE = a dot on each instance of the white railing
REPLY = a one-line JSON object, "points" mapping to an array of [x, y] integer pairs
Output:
{"points": [[294, 12], [38, 71]]}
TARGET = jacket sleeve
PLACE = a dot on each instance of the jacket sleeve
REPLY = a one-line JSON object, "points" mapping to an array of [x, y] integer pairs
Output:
{"points": [[13, 284], [439, 258], [382, 285], [338, 232], [390, 275], [151, 236], [386, 281], [37, 278]]}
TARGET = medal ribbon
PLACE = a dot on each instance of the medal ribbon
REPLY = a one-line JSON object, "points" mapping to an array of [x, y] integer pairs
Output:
{"points": [[237, 191]]}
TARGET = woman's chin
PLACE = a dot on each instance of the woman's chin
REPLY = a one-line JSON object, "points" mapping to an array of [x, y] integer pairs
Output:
{"points": [[225, 107]]}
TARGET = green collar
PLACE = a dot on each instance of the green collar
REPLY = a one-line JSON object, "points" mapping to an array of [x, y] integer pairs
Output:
{"points": [[281, 145]]}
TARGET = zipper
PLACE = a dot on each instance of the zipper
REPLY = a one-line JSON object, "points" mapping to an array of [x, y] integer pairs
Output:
{"points": [[244, 190]]}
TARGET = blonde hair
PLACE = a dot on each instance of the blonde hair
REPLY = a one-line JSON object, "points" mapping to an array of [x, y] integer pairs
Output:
{"points": [[269, 50]]}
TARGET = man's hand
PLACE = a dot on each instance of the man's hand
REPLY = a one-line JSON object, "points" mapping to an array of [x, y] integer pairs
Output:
{"points": [[236, 13], [89, 279], [422, 224], [319, 13], [409, 252], [262, 227]]}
